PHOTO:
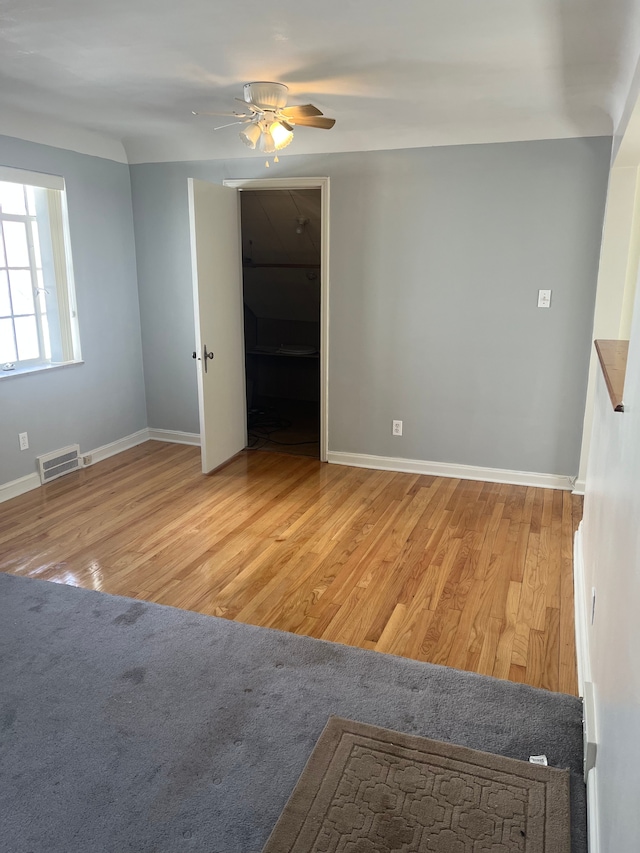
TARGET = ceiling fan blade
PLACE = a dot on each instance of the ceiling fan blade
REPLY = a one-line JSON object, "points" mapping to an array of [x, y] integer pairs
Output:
{"points": [[301, 111], [248, 106], [315, 121], [231, 123], [226, 115], [286, 125]]}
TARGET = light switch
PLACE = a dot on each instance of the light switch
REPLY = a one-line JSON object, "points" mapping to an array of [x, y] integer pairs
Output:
{"points": [[544, 299]]}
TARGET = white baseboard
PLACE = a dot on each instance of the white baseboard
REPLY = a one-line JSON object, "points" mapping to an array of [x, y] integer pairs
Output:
{"points": [[32, 481], [586, 689], [590, 735], [593, 833], [581, 615], [18, 487], [118, 446], [579, 487], [445, 469], [15, 488], [174, 436], [147, 434]]}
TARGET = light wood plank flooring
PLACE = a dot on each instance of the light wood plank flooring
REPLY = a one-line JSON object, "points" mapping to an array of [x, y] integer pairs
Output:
{"points": [[473, 575]]}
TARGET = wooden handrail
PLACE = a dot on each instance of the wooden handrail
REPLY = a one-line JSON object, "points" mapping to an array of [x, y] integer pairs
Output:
{"points": [[613, 360]]}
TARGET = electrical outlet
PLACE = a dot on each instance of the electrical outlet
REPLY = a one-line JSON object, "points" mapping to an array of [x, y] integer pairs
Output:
{"points": [[397, 428], [23, 438], [87, 459], [544, 299]]}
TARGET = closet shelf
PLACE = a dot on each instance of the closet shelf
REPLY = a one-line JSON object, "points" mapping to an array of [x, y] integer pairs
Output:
{"points": [[282, 266], [283, 354]]}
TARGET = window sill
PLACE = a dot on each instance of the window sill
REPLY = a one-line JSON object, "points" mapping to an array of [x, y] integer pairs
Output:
{"points": [[40, 368]]}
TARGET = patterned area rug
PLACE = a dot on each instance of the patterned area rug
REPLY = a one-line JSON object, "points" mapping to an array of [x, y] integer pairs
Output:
{"points": [[371, 790]]}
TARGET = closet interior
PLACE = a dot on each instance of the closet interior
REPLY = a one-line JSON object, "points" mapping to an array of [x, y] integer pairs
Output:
{"points": [[281, 252]]}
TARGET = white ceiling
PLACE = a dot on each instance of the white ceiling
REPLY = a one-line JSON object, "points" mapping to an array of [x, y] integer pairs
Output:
{"points": [[394, 73]]}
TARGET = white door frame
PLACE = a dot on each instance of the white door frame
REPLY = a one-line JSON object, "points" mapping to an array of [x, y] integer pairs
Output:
{"points": [[321, 184]]}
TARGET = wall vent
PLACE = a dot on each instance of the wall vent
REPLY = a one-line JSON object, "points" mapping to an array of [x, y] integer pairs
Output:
{"points": [[59, 462]]}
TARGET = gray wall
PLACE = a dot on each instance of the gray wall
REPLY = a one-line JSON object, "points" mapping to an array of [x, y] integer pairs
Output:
{"points": [[103, 399], [437, 255]]}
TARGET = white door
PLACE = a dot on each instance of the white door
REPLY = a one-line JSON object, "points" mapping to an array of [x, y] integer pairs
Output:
{"points": [[219, 320]]}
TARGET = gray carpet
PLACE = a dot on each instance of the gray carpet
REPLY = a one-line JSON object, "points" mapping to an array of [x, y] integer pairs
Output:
{"points": [[128, 726]]}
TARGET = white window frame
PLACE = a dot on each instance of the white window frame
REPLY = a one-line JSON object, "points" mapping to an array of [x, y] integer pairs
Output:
{"points": [[67, 327]]}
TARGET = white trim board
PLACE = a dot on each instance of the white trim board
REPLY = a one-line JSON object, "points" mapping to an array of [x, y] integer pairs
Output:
{"points": [[174, 436], [15, 488], [32, 481], [446, 469], [587, 691], [581, 616], [593, 831], [118, 446], [147, 434]]}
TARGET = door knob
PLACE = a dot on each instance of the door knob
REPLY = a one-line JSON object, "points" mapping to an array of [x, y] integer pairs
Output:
{"points": [[207, 356]]}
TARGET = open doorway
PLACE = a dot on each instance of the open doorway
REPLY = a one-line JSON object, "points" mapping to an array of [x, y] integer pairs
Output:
{"points": [[282, 296]]}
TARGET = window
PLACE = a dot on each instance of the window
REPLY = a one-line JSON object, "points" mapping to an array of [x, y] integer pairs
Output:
{"points": [[38, 318]]}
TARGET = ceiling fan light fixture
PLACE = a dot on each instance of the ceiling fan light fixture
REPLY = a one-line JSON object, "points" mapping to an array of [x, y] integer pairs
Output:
{"points": [[250, 135], [266, 143], [280, 135]]}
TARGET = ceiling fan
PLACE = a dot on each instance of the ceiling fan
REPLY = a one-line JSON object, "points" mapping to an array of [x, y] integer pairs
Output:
{"points": [[269, 121]]}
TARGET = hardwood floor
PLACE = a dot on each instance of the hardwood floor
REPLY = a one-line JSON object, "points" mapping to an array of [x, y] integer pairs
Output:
{"points": [[473, 575]]}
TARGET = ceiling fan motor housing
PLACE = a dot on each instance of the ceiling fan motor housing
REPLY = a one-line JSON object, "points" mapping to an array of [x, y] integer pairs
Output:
{"points": [[269, 96]]}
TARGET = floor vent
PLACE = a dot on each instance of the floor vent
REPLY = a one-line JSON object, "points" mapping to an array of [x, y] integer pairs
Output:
{"points": [[59, 462]]}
